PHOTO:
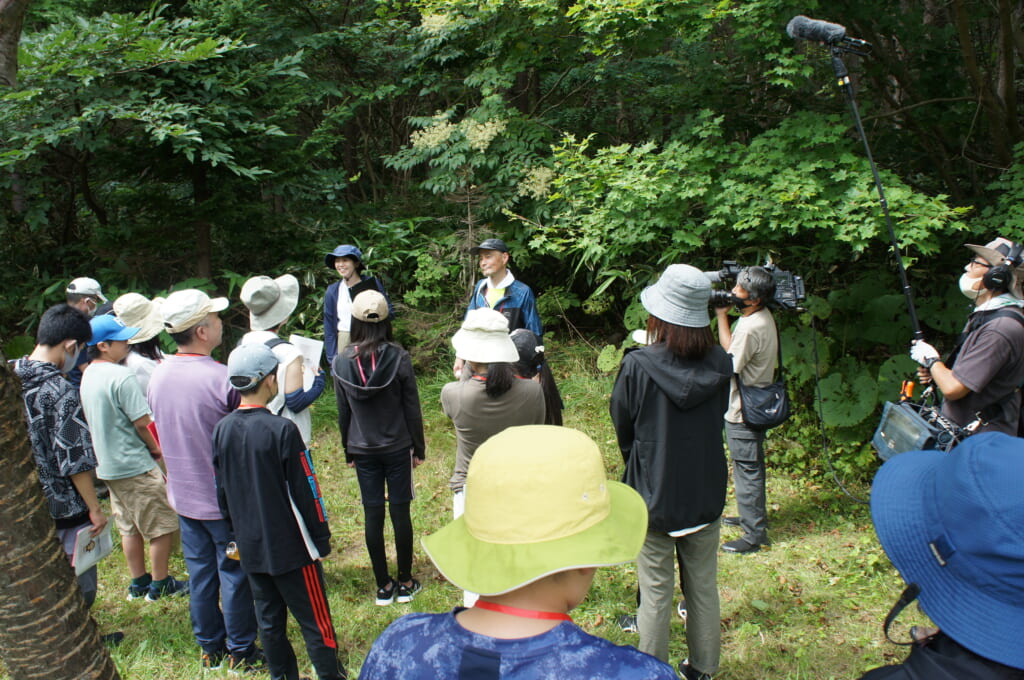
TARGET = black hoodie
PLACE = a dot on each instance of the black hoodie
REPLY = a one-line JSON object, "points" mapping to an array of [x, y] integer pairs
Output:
{"points": [[668, 415], [378, 403]]}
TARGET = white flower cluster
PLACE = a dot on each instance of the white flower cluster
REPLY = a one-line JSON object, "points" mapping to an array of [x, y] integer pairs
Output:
{"points": [[435, 24], [537, 182], [479, 135], [433, 136]]}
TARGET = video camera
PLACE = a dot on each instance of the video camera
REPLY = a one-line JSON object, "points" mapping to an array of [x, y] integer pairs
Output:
{"points": [[789, 288]]}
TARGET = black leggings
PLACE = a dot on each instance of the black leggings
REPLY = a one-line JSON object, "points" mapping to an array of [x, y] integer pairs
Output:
{"points": [[401, 522]]}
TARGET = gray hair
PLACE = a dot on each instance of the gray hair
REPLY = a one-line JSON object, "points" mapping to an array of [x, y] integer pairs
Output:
{"points": [[759, 284]]}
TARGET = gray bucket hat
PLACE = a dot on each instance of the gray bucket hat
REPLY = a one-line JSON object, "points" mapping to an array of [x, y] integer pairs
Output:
{"points": [[679, 297], [270, 301]]}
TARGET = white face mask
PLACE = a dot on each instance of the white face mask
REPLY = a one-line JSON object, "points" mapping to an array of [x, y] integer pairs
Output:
{"points": [[70, 359], [967, 283]]}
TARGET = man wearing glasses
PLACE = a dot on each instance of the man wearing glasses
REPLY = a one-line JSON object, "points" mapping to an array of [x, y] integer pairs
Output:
{"points": [[980, 377]]}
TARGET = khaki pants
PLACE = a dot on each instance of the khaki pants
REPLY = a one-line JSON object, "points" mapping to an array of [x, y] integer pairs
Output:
{"points": [[656, 573]]}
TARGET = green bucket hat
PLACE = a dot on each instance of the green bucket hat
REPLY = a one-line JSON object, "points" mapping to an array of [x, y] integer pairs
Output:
{"points": [[537, 502]]}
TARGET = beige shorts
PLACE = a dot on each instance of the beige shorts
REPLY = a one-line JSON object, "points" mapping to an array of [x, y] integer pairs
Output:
{"points": [[140, 505]]}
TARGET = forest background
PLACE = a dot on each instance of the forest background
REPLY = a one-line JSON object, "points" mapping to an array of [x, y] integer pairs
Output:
{"points": [[195, 143]]}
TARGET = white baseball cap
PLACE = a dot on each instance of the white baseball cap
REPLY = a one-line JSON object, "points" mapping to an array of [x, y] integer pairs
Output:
{"points": [[183, 309]]}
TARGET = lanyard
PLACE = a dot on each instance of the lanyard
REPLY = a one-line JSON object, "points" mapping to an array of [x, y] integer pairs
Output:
{"points": [[359, 365], [521, 613]]}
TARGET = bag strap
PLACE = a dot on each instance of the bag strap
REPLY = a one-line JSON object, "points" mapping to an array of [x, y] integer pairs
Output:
{"points": [[979, 320], [995, 409], [779, 367], [274, 342]]}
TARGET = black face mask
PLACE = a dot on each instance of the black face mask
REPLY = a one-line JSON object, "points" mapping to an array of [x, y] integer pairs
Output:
{"points": [[741, 304]]}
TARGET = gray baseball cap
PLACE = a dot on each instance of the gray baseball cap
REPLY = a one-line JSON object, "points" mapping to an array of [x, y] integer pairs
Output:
{"points": [[250, 363]]}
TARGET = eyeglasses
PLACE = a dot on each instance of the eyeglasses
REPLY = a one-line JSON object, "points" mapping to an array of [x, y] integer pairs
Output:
{"points": [[980, 263]]}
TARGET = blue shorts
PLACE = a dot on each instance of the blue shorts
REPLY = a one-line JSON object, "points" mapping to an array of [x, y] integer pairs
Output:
{"points": [[373, 470]]}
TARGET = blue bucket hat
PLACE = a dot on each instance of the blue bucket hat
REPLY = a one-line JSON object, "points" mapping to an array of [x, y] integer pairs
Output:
{"points": [[343, 251], [952, 524], [679, 297]]}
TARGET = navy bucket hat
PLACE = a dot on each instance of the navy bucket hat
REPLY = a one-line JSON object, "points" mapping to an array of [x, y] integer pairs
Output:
{"points": [[343, 251], [954, 525]]}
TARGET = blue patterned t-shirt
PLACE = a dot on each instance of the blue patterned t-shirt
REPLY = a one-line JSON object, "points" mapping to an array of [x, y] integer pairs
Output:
{"points": [[429, 646]]}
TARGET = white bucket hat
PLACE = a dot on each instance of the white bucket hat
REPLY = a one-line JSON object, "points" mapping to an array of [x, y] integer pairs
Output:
{"points": [[136, 310], [484, 338], [270, 301], [679, 297]]}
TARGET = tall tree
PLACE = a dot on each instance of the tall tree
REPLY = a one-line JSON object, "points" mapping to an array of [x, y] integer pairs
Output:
{"points": [[45, 628], [12, 15]]}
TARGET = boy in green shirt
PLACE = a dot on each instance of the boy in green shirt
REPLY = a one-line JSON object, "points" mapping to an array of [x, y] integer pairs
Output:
{"points": [[118, 417]]}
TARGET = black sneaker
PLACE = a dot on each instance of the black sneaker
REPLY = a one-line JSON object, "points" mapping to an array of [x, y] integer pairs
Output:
{"points": [[168, 587], [213, 661], [251, 663], [386, 596], [690, 673], [627, 622], [731, 521], [741, 545], [405, 593], [112, 639]]}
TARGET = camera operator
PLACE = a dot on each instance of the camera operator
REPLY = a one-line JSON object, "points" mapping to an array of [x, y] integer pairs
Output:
{"points": [[983, 372], [753, 344]]}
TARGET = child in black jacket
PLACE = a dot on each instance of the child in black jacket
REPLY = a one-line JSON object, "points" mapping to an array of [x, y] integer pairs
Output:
{"points": [[268, 491]]}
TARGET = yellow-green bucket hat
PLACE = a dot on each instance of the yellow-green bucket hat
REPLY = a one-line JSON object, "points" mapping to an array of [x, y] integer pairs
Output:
{"points": [[537, 502]]}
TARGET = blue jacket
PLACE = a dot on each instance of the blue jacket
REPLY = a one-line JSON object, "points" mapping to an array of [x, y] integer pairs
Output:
{"points": [[331, 315], [518, 305]]}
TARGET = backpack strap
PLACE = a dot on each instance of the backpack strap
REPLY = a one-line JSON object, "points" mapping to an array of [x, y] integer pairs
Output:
{"points": [[274, 342]]}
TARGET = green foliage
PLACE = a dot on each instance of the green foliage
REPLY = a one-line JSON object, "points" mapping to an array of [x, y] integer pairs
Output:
{"points": [[603, 139]]}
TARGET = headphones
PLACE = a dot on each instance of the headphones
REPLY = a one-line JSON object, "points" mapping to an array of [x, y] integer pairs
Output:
{"points": [[1000, 276]]}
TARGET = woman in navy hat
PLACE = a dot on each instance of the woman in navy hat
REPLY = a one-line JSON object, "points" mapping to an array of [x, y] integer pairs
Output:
{"points": [[347, 260]]}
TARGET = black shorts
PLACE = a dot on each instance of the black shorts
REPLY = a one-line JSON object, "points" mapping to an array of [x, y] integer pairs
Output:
{"points": [[374, 469]]}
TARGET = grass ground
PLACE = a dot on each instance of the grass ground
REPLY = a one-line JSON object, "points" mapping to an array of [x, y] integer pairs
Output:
{"points": [[809, 607]]}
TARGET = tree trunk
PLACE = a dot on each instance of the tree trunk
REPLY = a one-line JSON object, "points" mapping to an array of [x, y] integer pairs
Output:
{"points": [[204, 247], [45, 628], [12, 15]]}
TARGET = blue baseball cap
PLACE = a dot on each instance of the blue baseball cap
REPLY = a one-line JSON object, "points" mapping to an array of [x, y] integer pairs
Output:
{"points": [[343, 251], [250, 363], [107, 328], [951, 523]]}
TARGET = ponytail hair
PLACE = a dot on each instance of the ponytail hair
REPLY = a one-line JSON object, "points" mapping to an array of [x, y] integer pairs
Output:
{"points": [[532, 363]]}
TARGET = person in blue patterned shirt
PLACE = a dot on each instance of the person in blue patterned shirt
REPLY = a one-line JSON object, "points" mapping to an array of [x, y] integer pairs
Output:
{"points": [[57, 430], [529, 543]]}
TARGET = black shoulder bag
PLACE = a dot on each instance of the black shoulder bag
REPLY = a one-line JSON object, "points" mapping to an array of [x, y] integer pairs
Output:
{"points": [[765, 407]]}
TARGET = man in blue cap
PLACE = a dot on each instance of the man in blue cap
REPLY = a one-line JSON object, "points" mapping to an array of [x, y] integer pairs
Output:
{"points": [[501, 290], [951, 524], [347, 260]]}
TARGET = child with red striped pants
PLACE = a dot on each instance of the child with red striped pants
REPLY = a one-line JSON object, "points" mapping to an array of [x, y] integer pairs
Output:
{"points": [[268, 491]]}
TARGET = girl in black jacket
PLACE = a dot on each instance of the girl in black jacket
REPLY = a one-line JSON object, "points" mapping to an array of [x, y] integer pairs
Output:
{"points": [[382, 435], [668, 408]]}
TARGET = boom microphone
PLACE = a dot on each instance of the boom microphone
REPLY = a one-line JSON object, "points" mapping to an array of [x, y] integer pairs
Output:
{"points": [[815, 30]]}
